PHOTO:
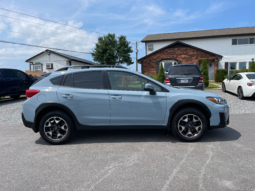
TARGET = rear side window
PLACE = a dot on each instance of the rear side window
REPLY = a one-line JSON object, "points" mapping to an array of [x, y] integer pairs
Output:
{"points": [[89, 80], [69, 80], [57, 80], [184, 70], [251, 76]]}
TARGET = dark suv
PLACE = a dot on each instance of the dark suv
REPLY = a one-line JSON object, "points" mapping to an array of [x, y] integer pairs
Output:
{"points": [[185, 76]]}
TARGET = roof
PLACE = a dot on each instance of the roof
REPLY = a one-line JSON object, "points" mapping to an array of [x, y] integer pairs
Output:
{"points": [[63, 55], [201, 34], [179, 43]]}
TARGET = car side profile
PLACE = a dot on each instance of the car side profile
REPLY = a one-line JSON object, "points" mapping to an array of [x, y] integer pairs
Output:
{"points": [[14, 82], [241, 84], [101, 98], [185, 76]]}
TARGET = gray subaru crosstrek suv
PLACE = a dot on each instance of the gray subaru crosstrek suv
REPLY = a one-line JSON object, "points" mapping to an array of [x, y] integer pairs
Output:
{"points": [[100, 98], [185, 76]]}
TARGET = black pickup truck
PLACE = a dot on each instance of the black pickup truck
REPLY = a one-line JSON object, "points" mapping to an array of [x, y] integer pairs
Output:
{"points": [[14, 82]]}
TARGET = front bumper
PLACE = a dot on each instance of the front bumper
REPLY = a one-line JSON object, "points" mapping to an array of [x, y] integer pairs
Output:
{"points": [[224, 121]]}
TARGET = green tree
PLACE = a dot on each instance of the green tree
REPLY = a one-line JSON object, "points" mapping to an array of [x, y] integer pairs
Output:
{"points": [[113, 51], [204, 71], [252, 66], [161, 74]]}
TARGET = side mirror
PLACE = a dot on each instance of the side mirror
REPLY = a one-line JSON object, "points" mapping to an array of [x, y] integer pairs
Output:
{"points": [[150, 88]]}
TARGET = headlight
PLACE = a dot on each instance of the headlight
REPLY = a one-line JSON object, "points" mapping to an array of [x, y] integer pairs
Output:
{"points": [[218, 100]]}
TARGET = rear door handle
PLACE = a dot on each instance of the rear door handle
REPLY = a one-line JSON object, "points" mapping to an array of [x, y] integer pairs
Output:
{"points": [[67, 96], [116, 97]]}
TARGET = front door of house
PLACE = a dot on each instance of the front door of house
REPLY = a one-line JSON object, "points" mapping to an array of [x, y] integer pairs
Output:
{"points": [[211, 70]]}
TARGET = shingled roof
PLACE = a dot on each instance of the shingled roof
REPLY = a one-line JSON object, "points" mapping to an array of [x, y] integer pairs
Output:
{"points": [[200, 34]]}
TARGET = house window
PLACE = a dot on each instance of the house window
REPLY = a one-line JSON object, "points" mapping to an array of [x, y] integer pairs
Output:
{"points": [[232, 67], [37, 67], [167, 64], [242, 65], [150, 47], [241, 41]]}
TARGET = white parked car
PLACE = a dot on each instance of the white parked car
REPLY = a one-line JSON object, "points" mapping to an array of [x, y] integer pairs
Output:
{"points": [[242, 84]]}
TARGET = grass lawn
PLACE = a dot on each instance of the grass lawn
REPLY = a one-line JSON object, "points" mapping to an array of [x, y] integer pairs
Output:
{"points": [[212, 86]]}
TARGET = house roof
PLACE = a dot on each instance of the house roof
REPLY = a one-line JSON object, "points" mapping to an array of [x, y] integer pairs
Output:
{"points": [[179, 43], [63, 55], [200, 34]]}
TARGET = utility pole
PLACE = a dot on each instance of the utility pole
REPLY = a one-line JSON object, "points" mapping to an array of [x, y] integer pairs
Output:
{"points": [[136, 59]]}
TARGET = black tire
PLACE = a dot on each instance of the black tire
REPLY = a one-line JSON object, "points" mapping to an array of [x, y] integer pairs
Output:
{"points": [[181, 115], [64, 119], [15, 96], [240, 93], [223, 87]]}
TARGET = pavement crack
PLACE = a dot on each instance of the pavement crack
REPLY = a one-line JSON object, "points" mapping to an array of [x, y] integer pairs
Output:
{"points": [[175, 171]]}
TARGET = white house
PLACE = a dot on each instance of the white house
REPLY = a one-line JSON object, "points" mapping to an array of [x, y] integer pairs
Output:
{"points": [[49, 61], [233, 49]]}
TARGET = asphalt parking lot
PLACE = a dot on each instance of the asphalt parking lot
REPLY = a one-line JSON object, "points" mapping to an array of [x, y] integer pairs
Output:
{"points": [[224, 159]]}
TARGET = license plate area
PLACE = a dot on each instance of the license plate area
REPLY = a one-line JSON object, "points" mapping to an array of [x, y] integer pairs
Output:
{"points": [[184, 81]]}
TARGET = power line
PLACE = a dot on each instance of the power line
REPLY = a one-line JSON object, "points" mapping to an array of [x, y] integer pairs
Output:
{"points": [[17, 43], [54, 22]]}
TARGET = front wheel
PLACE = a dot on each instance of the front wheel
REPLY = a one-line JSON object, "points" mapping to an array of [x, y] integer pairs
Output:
{"points": [[189, 124], [56, 127]]}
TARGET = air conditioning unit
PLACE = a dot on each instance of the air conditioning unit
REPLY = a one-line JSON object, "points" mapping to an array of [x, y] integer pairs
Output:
{"points": [[49, 65]]}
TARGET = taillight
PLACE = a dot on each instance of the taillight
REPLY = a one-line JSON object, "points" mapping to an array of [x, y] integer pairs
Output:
{"points": [[167, 80], [201, 80], [249, 84], [31, 93]]}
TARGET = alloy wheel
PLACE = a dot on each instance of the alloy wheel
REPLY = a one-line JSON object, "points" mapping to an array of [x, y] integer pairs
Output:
{"points": [[55, 128], [190, 125]]}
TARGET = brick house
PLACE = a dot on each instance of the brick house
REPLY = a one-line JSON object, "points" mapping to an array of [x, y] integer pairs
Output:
{"points": [[230, 49]]}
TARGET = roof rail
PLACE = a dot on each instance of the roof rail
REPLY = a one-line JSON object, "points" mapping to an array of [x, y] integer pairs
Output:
{"points": [[89, 66]]}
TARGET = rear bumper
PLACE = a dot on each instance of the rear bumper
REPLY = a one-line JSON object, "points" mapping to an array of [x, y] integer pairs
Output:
{"points": [[198, 87], [223, 122], [28, 123]]}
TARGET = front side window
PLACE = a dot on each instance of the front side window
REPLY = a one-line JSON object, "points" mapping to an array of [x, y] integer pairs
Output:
{"points": [[8, 73], [150, 47], [89, 80], [242, 65], [129, 81], [19, 74]]}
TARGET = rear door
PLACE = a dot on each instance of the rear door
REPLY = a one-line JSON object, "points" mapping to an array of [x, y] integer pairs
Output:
{"points": [[184, 75], [131, 104], [2, 85], [85, 94]]}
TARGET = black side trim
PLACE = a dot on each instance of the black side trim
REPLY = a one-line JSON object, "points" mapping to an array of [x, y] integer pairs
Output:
{"points": [[187, 102], [26, 123]]}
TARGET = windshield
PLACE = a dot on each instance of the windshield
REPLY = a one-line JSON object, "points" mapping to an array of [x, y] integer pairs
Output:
{"points": [[184, 70], [251, 76]]}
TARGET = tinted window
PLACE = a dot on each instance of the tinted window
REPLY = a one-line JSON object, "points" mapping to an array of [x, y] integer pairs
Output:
{"points": [[8, 73], [251, 76], [89, 80], [236, 77], [69, 80], [57, 80], [19, 74], [129, 81], [184, 70]]}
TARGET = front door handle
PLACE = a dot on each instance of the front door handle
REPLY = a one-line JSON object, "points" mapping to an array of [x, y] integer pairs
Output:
{"points": [[67, 96], [116, 97]]}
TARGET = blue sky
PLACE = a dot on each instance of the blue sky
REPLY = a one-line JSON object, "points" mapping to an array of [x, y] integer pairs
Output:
{"points": [[132, 18]]}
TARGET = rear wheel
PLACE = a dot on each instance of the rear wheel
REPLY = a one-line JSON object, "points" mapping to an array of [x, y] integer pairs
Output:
{"points": [[223, 87], [56, 127], [240, 93], [189, 124], [15, 96]]}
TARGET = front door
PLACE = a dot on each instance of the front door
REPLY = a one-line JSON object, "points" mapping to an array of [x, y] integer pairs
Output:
{"points": [[11, 82], [211, 70], [130, 104], [85, 94]]}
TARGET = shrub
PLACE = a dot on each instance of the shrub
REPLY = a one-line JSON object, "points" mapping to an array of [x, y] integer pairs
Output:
{"points": [[252, 66], [153, 76], [161, 74], [240, 71], [204, 71], [220, 74]]}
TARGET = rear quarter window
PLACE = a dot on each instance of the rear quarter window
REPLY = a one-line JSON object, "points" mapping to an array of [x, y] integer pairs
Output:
{"points": [[184, 70], [56, 81]]}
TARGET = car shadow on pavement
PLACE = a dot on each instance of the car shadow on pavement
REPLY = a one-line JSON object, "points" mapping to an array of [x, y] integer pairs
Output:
{"points": [[124, 136], [7, 101]]}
